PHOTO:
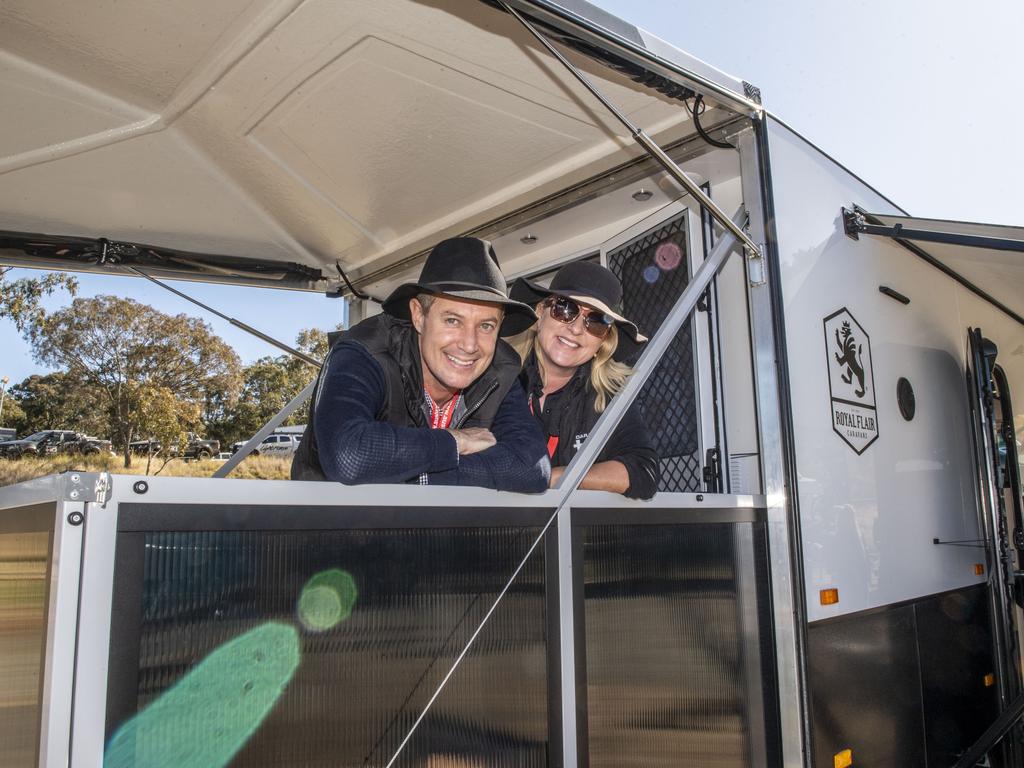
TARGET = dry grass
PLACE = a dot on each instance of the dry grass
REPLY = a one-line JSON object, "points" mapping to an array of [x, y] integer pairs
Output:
{"points": [[252, 468]]}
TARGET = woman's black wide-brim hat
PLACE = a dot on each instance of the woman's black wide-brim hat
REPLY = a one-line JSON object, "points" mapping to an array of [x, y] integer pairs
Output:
{"points": [[585, 283], [464, 268]]}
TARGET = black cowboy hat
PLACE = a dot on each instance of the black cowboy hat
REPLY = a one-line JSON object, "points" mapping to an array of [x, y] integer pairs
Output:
{"points": [[463, 268], [586, 283]]}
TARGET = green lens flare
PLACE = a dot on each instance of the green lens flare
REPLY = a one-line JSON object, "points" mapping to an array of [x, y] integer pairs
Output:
{"points": [[209, 715], [327, 600]]}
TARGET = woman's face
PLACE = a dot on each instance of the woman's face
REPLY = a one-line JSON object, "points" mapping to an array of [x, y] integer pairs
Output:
{"points": [[564, 347]]}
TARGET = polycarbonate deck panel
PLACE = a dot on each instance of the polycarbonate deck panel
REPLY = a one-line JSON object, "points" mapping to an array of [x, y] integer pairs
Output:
{"points": [[666, 644], [26, 543], [356, 629]]}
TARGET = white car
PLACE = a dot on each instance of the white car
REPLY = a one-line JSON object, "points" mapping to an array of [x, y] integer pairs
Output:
{"points": [[277, 445]]}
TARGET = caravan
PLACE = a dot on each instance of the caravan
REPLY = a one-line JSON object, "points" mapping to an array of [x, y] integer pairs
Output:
{"points": [[829, 573]]}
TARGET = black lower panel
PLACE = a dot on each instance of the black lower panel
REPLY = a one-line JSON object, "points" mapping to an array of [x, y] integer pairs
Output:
{"points": [[902, 686], [954, 640], [674, 673], [321, 648]]}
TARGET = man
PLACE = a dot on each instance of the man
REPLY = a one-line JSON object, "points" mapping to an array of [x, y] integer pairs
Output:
{"points": [[427, 391]]}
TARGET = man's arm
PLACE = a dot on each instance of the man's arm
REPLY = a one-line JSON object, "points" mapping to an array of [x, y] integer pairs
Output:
{"points": [[517, 462], [356, 448]]}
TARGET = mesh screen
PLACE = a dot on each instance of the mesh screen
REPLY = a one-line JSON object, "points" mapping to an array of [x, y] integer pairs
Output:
{"points": [[24, 567], [654, 270], [359, 678], [664, 647]]}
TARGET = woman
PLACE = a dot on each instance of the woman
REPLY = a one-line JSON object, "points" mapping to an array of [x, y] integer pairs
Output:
{"points": [[570, 373]]}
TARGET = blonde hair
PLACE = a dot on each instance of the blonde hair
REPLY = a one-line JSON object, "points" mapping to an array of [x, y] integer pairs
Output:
{"points": [[607, 376]]}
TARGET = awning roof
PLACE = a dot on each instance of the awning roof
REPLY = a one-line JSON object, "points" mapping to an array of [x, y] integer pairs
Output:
{"points": [[295, 135], [988, 258]]}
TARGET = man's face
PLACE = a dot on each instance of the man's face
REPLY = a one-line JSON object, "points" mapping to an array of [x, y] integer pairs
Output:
{"points": [[457, 340]]}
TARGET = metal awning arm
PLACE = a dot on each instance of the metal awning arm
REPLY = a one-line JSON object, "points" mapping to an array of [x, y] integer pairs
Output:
{"points": [[643, 140], [858, 222], [681, 311]]}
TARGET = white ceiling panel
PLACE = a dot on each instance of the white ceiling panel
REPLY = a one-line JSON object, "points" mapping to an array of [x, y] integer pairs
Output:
{"points": [[44, 108], [431, 138], [139, 51], [155, 189]]}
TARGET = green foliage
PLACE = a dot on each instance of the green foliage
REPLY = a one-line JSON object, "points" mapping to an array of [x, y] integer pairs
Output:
{"points": [[130, 372], [165, 419], [12, 415], [58, 401], [134, 357], [20, 299]]}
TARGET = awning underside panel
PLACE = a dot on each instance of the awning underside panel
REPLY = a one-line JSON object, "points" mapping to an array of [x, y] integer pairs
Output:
{"points": [[988, 256], [295, 131]]}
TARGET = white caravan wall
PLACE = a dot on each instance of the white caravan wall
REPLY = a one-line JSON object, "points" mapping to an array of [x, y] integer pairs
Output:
{"points": [[869, 520]]}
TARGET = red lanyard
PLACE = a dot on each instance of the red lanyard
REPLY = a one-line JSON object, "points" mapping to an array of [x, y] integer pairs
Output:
{"points": [[552, 439], [440, 418]]}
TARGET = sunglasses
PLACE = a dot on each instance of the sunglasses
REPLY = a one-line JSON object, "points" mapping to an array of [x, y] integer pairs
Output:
{"points": [[566, 311]]}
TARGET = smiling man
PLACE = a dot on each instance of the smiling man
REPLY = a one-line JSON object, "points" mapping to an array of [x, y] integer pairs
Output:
{"points": [[427, 391]]}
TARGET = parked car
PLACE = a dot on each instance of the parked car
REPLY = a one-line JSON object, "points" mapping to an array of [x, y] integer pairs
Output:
{"points": [[199, 448], [278, 445], [51, 441], [145, 447], [196, 447]]}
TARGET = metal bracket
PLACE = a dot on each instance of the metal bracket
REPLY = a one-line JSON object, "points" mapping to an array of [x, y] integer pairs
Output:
{"points": [[752, 92], [757, 272], [87, 486], [853, 222]]}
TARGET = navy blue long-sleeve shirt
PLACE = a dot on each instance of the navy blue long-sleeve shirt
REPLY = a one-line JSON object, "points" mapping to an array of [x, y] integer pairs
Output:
{"points": [[355, 447]]}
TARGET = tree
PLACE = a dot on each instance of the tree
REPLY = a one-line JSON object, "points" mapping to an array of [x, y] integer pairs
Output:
{"points": [[20, 299], [166, 419], [125, 350], [12, 416], [58, 401]]}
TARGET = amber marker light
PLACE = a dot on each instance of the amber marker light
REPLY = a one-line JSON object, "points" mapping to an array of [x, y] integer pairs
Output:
{"points": [[979, 569], [843, 759], [990, 680], [829, 596]]}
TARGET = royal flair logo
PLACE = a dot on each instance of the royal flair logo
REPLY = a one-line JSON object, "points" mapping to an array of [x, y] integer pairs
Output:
{"points": [[851, 380]]}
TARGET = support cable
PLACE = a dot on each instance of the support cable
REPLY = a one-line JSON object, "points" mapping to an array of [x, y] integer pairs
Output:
{"points": [[606, 424], [237, 323]]}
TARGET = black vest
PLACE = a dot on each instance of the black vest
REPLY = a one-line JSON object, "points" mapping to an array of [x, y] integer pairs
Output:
{"points": [[576, 416], [394, 344]]}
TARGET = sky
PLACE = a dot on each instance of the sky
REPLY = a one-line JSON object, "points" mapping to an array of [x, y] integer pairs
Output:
{"points": [[920, 98]]}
